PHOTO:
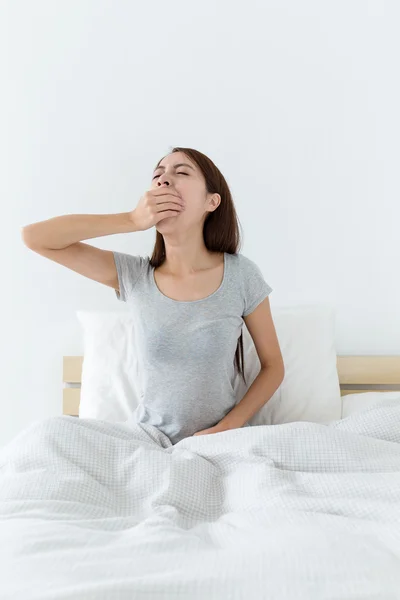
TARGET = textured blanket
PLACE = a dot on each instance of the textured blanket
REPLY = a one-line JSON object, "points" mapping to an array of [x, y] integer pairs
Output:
{"points": [[92, 510]]}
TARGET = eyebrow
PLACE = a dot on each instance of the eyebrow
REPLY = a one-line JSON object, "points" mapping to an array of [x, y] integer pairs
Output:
{"points": [[176, 166]]}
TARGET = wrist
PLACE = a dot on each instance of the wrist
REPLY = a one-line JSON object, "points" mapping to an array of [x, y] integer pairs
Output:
{"points": [[129, 221], [224, 426], [229, 423]]}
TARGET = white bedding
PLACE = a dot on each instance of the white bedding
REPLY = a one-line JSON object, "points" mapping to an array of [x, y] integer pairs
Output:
{"points": [[353, 403], [98, 510]]}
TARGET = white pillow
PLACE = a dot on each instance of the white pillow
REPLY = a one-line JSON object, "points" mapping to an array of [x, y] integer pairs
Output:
{"points": [[110, 388], [355, 403], [310, 390]]}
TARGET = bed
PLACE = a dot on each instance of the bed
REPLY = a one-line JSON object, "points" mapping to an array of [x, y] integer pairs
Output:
{"points": [[357, 375], [97, 510]]}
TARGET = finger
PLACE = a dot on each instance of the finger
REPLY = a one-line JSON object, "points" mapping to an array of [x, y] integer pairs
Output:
{"points": [[170, 202], [173, 205], [165, 191], [167, 213]]}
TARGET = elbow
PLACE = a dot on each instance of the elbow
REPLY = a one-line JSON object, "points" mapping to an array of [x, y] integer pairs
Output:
{"points": [[280, 372], [282, 366], [278, 368], [282, 369], [27, 237]]}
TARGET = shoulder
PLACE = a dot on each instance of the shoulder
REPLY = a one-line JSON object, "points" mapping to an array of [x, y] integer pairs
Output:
{"points": [[244, 264], [130, 268], [251, 282], [131, 262]]}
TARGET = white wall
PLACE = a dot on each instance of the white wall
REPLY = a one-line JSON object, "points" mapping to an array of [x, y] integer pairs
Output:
{"points": [[296, 102]]}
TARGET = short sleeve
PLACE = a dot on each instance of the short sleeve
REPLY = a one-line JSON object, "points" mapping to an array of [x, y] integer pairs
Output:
{"points": [[129, 268], [255, 288]]}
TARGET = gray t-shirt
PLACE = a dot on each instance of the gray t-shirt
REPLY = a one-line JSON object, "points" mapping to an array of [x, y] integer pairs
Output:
{"points": [[186, 349]]}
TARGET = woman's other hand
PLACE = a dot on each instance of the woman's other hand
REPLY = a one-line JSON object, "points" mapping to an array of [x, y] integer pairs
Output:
{"points": [[215, 429]]}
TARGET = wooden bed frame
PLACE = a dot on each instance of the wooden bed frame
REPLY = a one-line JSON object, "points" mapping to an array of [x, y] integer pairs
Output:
{"points": [[357, 374]]}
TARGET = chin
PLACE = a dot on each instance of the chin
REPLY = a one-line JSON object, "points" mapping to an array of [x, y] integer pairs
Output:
{"points": [[167, 225]]}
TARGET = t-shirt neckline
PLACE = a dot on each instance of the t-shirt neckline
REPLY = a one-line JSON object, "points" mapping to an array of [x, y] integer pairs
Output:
{"points": [[192, 301]]}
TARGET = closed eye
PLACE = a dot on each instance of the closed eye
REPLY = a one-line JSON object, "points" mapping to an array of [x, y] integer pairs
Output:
{"points": [[180, 173]]}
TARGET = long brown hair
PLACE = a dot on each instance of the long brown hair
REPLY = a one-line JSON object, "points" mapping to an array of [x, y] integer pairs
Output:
{"points": [[221, 227]]}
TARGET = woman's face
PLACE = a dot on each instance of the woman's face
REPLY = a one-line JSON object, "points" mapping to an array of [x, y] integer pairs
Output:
{"points": [[179, 174]]}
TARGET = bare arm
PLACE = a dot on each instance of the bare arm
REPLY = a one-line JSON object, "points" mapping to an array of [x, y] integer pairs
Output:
{"points": [[59, 232], [59, 239]]}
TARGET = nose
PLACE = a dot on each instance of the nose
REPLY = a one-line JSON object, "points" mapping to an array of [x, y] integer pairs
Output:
{"points": [[164, 178]]}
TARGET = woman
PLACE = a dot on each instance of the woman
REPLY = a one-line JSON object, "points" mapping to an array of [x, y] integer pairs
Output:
{"points": [[189, 299]]}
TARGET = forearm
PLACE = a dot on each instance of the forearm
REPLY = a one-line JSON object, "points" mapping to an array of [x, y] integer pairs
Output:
{"points": [[261, 390], [60, 232]]}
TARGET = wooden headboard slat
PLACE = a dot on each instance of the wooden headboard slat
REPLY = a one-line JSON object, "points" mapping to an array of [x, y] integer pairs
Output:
{"points": [[352, 370], [71, 399], [372, 370], [72, 369]]}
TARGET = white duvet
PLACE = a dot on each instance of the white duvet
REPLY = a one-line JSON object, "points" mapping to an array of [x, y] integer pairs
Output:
{"points": [[94, 510]]}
